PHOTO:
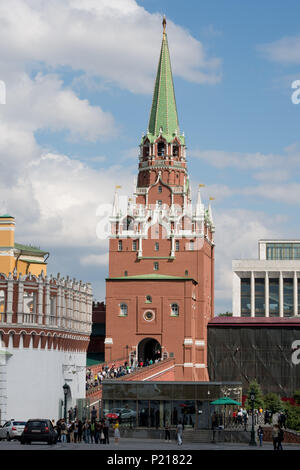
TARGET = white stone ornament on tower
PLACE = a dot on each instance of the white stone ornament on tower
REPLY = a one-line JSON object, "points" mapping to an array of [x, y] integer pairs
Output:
{"points": [[199, 212], [115, 210]]}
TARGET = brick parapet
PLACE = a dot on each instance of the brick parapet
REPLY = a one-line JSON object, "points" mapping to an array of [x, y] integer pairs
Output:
{"points": [[291, 437], [47, 312]]}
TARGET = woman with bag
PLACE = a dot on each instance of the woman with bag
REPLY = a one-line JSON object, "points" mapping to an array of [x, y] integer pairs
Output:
{"points": [[102, 435], [64, 431]]}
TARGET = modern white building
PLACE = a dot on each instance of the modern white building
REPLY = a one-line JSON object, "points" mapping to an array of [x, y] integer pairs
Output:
{"points": [[268, 286]]}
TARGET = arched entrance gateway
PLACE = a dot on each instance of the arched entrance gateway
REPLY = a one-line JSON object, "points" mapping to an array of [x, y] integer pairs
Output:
{"points": [[149, 348]]}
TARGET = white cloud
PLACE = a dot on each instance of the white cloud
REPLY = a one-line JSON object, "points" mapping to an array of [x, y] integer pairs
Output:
{"points": [[116, 40], [288, 193], [95, 260], [236, 237], [55, 200], [241, 160], [285, 50], [43, 103], [277, 174], [273, 175]]}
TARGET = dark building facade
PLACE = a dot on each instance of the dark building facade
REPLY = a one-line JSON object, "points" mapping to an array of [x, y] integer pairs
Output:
{"points": [[95, 352], [153, 404], [265, 349]]}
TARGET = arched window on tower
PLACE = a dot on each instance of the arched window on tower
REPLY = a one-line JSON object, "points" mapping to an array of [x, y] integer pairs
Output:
{"points": [[2, 305], [146, 150], [123, 310], [128, 223], [175, 150], [53, 310], [29, 299], [161, 149], [174, 310]]}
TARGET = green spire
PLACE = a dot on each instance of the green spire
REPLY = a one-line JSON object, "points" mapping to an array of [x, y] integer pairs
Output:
{"points": [[164, 111]]}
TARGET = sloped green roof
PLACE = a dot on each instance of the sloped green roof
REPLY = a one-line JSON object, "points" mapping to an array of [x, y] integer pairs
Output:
{"points": [[30, 249], [163, 113], [6, 216]]}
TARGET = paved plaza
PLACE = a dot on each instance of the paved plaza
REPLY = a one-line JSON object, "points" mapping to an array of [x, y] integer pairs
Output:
{"points": [[155, 445]]}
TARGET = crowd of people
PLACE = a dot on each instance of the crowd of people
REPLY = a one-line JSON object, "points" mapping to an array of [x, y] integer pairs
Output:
{"points": [[261, 417], [115, 372], [88, 431], [240, 417]]}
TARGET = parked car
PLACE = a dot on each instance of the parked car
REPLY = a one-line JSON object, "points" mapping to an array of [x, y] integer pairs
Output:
{"points": [[124, 413], [39, 430], [12, 429]]}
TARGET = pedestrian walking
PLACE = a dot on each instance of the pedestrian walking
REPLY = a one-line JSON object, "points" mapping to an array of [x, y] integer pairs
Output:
{"points": [[260, 434], [167, 432], [116, 433], [87, 432], [240, 416], [106, 431], [102, 435], [245, 418], [94, 414], [80, 425], [179, 433], [275, 432], [280, 438], [71, 432], [92, 430], [97, 432], [58, 430], [76, 431], [64, 431]]}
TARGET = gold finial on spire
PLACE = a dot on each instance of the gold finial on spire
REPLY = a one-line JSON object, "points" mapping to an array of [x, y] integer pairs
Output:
{"points": [[164, 23]]}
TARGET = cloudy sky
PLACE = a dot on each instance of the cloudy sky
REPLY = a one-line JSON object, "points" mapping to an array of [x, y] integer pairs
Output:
{"points": [[79, 77]]}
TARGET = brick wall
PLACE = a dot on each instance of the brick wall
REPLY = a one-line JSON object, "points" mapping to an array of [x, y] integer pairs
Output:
{"points": [[289, 436]]}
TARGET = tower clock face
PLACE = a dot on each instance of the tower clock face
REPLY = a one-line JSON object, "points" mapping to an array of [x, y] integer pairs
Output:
{"points": [[149, 315]]}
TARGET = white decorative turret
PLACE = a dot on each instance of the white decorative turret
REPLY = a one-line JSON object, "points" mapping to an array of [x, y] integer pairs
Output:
{"points": [[210, 214], [115, 211], [199, 211], [210, 217]]}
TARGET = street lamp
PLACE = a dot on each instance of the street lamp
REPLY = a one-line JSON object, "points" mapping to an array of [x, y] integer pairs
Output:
{"points": [[66, 389], [252, 440]]}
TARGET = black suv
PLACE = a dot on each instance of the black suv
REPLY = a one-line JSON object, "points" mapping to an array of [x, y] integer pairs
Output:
{"points": [[39, 430]]}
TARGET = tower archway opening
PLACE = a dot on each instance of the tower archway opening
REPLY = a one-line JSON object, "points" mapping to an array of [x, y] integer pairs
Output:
{"points": [[149, 349]]}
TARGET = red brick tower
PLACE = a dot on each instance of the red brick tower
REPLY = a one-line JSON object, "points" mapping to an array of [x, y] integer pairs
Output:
{"points": [[160, 289]]}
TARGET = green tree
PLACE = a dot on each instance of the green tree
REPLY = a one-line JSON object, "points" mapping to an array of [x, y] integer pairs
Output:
{"points": [[254, 387], [272, 402], [296, 397], [293, 416]]}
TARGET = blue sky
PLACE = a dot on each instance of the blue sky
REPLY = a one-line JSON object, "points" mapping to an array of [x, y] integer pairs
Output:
{"points": [[79, 92]]}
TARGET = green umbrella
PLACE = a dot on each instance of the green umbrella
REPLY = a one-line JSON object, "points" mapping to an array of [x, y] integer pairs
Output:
{"points": [[225, 401]]}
